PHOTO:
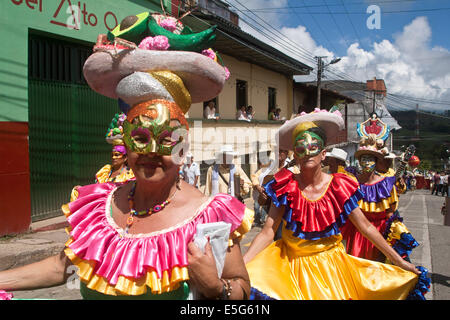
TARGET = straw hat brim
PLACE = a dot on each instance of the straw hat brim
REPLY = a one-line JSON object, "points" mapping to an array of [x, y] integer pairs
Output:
{"points": [[378, 155], [203, 77], [331, 123]]}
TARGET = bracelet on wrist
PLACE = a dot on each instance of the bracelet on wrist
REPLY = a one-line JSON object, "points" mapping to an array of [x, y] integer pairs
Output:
{"points": [[226, 289]]}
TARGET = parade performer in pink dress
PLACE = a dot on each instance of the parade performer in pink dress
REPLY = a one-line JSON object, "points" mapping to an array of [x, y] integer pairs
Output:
{"points": [[135, 239], [309, 262]]}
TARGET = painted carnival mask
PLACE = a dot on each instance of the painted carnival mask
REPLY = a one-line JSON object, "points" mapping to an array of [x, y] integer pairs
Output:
{"points": [[148, 129], [308, 144], [367, 163], [116, 155]]}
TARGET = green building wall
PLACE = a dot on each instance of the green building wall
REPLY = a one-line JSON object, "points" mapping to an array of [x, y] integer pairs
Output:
{"points": [[51, 132], [18, 17]]}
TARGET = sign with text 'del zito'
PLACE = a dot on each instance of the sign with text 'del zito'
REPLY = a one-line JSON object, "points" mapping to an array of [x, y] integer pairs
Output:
{"points": [[71, 14]]}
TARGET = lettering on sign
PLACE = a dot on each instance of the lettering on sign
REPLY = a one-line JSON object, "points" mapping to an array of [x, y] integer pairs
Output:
{"points": [[71, 14], [32, 4]]}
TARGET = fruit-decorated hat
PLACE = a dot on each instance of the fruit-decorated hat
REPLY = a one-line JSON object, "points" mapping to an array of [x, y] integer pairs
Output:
{"points": [[373, 133], [145, 59], [114, 134], [329, 121]]}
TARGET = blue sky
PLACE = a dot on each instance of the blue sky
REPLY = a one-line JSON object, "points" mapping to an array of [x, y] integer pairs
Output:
{"points": [[342, 28], [410, 50]]}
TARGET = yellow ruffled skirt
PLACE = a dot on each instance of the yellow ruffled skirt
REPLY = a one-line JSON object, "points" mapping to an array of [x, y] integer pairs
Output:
{"points": [[296, 269]]}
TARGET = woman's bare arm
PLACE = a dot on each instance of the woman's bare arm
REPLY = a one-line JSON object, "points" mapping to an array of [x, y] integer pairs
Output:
{"points": [[43, 274], [373, 235], [265, 237]]}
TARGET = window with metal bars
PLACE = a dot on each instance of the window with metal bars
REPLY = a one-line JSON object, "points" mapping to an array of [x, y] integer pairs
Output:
{"points": [[56, 60]]}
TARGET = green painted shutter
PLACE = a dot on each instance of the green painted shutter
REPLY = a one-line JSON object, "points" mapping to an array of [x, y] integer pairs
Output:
{"points": [[67, 124]]}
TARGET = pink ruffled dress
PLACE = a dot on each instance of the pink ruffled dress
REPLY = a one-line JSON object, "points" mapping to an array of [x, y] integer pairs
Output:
{"points": [[143, 266]]}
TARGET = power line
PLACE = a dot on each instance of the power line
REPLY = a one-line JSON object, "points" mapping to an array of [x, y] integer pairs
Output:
{"points": [[365, 13], [337, 25], [322, 5], [292, 48], [420, 99], [320, 28], [306, 54]]}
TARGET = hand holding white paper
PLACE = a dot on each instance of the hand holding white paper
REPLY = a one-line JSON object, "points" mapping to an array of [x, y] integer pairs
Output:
{"points": [[218, 234]]}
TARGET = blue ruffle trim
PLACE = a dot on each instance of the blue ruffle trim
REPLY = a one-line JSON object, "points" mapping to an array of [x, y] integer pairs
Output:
{"points": [[422, 286], [296, 227], [255, 294], [395, 216], [406, 243]]}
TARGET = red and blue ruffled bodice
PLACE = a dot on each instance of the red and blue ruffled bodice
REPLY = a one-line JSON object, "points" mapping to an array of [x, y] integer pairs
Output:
{"points": [[314, 219]]}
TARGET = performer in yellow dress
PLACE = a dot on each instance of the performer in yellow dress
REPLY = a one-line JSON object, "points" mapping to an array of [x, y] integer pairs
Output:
{"points": [[309, 261], [118, 170]]}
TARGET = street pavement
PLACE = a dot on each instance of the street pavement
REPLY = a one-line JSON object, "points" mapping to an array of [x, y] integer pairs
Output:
{"points": [[420, 210]]}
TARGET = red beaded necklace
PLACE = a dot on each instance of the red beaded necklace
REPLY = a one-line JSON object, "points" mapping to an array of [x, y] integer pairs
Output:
{"points": [[133, 213]]}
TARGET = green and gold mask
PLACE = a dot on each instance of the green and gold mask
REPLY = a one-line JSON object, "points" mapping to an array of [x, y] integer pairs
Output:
{"points": [[308, 144], [148, 128]]}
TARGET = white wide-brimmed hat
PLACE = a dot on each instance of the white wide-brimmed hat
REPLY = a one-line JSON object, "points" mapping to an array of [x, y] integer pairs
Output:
{"points": [[330, 122], [338, 154], [369, 150]]}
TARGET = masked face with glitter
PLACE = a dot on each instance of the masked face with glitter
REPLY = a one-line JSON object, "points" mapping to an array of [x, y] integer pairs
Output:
{"points": [[368, 163], [308, 144], [151, 127]]}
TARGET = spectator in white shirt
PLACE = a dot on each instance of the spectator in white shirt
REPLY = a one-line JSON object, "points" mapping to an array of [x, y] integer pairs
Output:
{"points": [[191, 171], [444, 179], [210, 111], [242, 114], [250, 113]]}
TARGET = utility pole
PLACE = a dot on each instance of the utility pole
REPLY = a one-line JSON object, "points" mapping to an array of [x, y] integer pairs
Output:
{"points": [[319, 77], [320, 67], [417, 121], [373, 101]]}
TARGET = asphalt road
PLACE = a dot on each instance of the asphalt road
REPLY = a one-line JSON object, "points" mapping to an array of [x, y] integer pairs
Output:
{"points": [[422, 215]]}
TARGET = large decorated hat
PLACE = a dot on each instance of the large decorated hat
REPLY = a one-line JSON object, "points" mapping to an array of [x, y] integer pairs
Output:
{"points": [[150, 57], [114, 134], [329, 121], [373, 134]]}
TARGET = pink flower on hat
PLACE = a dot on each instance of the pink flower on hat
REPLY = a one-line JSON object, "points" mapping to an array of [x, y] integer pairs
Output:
{"points": [[6, 295], [209, 53], [155, 43], [169, 24], [227, 73], [160, 43], [146, 43], [337, 112]]}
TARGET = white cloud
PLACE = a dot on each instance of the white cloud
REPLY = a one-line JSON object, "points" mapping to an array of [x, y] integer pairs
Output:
{"points": [[409, 64]]}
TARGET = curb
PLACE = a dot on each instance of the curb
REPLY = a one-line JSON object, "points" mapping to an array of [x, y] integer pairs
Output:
{"points": [[44, 239], [15, 255], [51, 227]]}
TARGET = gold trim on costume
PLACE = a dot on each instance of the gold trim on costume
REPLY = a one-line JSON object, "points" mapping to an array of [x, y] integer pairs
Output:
{"points": [[381, 206], [175, 86]]}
